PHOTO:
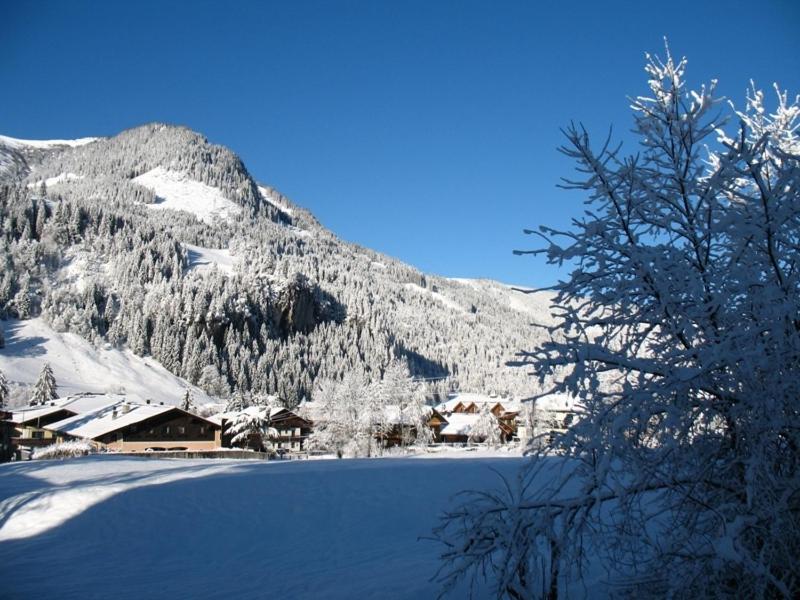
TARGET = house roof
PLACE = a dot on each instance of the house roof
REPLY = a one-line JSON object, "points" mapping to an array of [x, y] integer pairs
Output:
{"points": [[76, 404], [31, 413], [459, 424], [480, 400], [101, 421]]}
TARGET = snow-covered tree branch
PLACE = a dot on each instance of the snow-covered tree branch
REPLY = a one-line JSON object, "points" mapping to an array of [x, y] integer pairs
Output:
{"points": [[680, 333]]}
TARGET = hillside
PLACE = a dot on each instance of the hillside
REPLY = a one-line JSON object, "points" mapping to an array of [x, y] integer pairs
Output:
{"points": [[158, 242]]}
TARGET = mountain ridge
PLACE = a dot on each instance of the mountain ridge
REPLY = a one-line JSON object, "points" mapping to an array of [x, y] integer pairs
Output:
{"points": [[292, 304]]}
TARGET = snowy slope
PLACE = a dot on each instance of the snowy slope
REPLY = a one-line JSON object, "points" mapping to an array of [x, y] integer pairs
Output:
{"points": [[176, 191], [45, 144], [534, 304], [205, 259], [160, 528], [80, 367], [51, 181]]}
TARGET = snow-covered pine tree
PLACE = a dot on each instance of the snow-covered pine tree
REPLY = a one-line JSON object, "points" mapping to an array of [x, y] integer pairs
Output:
{"points": [[187, 402], [251, 428], [45, 388]]}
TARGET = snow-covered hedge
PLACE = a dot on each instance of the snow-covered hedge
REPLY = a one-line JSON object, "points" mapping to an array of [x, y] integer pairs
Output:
{"points": [[65, 450]]}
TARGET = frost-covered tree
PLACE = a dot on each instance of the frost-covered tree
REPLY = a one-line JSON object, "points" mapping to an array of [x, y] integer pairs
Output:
{"points": [[342, 423], [680, 332], [486, 429], [252, 429], [4, 392], [187, 402], [45, 388]]}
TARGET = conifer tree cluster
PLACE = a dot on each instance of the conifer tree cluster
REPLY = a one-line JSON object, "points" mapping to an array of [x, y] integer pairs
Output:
{"points": [[86, 253]]}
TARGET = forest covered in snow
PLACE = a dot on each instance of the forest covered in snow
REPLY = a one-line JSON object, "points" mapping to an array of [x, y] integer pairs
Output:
{"points": [[157, 241]]}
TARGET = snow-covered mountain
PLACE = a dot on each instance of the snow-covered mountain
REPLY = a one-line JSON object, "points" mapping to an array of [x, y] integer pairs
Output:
{"points": [[161, 244]]}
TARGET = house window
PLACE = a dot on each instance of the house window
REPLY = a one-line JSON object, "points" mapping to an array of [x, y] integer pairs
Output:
{"points": [[181, 430], [37, 435], [166, 430]]}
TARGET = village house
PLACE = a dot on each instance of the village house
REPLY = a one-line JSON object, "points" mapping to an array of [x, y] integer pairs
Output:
{"points": [[462, 410], [292, 430], [129, 427], [31, 422], [286, 431], [552, 415]]}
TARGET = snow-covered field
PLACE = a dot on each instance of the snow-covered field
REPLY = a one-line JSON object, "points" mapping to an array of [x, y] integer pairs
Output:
{"points": [[105, 526], [205, 259], [80, 367], [176, 191]]}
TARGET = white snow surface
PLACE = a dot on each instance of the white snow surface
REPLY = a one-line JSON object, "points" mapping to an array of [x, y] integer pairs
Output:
{"points": [[105, 420], [205, 259], [452, 304], [78, 366], [51, 181], [533, 303], [267, 197], [460, 423], [17, 143], [219, 529], [176, 191]]}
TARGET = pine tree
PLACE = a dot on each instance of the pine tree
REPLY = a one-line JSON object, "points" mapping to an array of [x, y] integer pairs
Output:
{"points": [[45, 389], [187, 403]]}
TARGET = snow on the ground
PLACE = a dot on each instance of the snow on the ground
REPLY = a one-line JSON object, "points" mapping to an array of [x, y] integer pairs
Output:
{"points": [[205, 259], [80, 268], [533, 303], [267, 197], [17, 143], [221, 529], [176, 191], [80, 367], [435, 295], [51, 181]]}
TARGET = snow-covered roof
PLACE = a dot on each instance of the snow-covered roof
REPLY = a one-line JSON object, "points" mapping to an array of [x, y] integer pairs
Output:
{"points": [[480, 400], [459, 423], [103, 420], [88, 402], [30, 413]]}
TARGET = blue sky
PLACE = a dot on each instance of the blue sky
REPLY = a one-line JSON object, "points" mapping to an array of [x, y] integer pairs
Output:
{"points": [[426, 130]]}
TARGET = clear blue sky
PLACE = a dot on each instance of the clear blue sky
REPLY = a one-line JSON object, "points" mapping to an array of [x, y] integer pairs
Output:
{"points": [[423, 129]]}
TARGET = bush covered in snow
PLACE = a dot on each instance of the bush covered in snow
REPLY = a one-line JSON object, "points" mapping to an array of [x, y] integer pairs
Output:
{"points": [[69, 449]]}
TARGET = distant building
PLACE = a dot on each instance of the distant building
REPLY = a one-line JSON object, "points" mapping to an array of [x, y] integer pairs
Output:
{"points": [[288, 431], [292, 430], [551, 415], [461, 411]]}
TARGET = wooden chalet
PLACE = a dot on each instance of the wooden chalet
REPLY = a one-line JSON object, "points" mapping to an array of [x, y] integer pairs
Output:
{"points": [[292, 430], [128, 427], [30, 424]]}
